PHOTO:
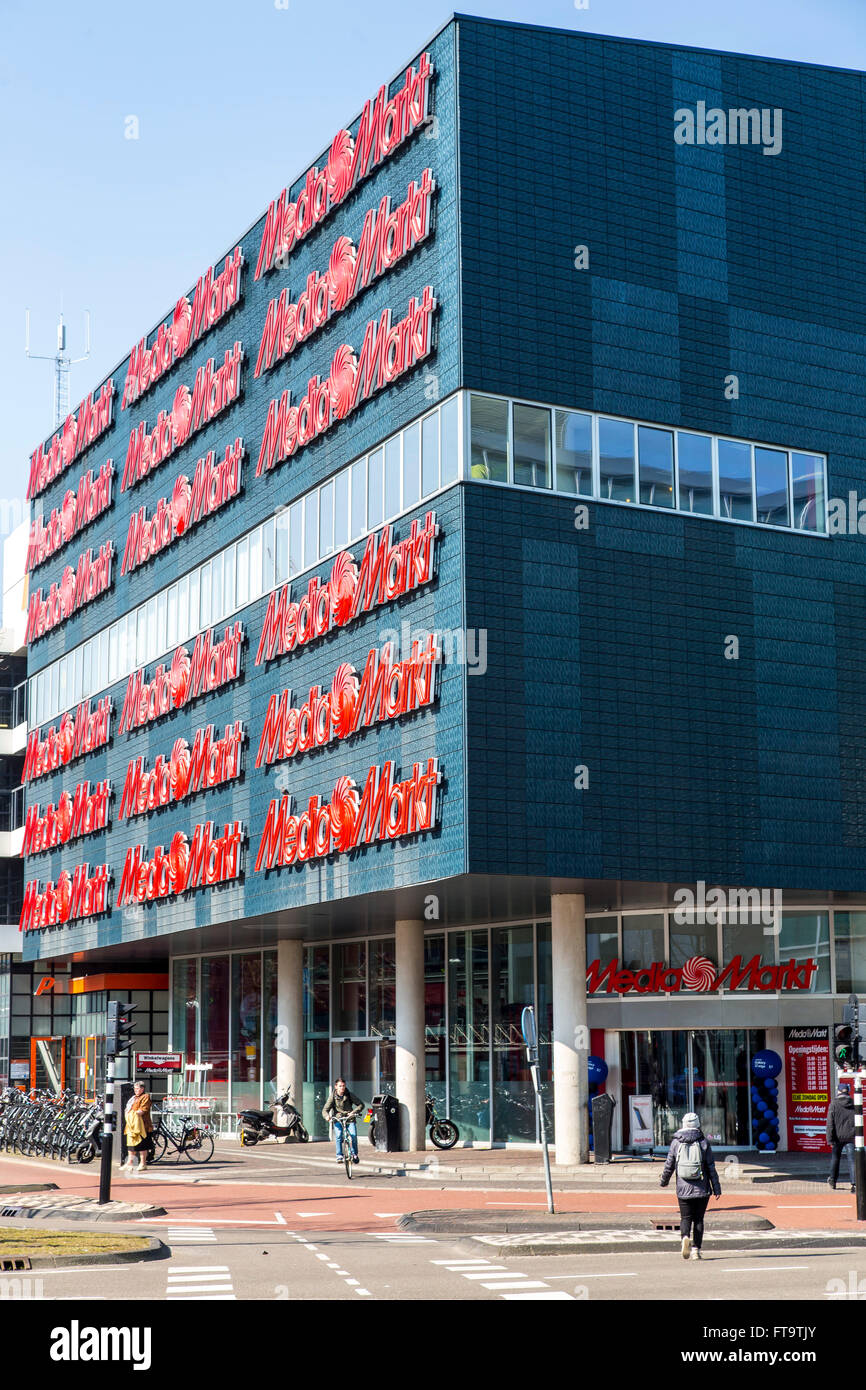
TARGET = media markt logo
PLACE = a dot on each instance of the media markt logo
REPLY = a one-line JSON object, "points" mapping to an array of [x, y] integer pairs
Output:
{"points": [[700, 976]]}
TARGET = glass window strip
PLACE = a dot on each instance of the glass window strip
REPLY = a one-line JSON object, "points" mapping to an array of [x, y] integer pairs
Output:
{"points": [[51, 692]]}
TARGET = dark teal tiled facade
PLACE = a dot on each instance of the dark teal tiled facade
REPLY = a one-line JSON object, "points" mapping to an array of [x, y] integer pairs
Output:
{"points": [[605, 646]]}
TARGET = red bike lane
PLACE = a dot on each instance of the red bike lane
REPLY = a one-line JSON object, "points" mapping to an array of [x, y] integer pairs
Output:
{"points": [[193, 1198]]}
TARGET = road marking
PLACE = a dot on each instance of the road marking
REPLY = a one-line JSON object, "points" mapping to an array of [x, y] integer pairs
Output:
{"points": [[80, 1269], [281, 1219], [364, 1291], [548, 1293], [387, 1213], [220, 1221], [515, 1204], [189, 1235], [498, 1278], [401, 1237], [187, 1282], [305, 1215]]}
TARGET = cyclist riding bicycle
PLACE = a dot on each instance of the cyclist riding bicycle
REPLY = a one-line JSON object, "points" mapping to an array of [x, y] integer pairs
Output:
{"points": [[343, 1108]]}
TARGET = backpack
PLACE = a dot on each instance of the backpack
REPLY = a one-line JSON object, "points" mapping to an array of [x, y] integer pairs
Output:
{"points": [[690, 1162]]}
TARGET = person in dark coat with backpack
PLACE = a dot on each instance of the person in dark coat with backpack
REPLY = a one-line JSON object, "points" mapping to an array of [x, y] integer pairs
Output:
{"points": [[840, 1133], [691, 1155]]}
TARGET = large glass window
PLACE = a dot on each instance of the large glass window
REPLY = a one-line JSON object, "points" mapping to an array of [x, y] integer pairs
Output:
{"points": [[488, 439], [341, 510], [849, 930], [747, 940], [296, 538], [184, 1008], [268, 548], [695, 467], [771, 486], [435, 1037], [531, 446], [430, 453], [806, 936], [469, 1026], [282, 545], [807, 478], [214, 1004], [392, 476], [246, 1030], [359, 498], [317, 976], [375, 482], [692, 939], [735, 480], [269, 1028], [326, 519], [573, 452], [450, 415], [256, 562], [513, 986], [350, 988], [412, 465], [643, 939], [656, 465], [616, 460], [602, 941], [383, 980]]}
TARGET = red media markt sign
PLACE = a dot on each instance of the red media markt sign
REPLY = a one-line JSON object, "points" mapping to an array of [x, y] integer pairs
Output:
{"points": [[701, 976]]}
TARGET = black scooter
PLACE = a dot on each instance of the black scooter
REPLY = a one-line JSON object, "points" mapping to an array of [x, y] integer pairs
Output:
{"points": [[257, 1125]]}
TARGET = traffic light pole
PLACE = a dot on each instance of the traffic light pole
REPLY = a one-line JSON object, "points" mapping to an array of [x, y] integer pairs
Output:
{"points": [[107, 1135], [859, 1151]]}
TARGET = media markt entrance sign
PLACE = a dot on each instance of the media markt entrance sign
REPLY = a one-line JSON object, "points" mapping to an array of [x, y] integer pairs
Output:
{"points": [[700, 976]]}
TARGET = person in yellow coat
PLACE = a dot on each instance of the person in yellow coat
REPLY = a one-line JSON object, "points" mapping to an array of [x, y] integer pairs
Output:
{"points": [[138, 1128]]}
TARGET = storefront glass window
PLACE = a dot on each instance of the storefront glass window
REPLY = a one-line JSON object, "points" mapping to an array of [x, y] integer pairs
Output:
{"points": [[544, 969], [469, 1025], [488, 446], [214, 1007], [806, 936], [602, 941], [392, 476], [692, 939], [747, 940], [643, 939], [317, 966], [511, 972], [375, 472], [450, 416], [184, 1008], [434, 1019], [326, 519], [850, 933], [721, 1083], [317, 1064], [382, 988], [269, 1024], [246, 1030], [350, 989], [412, 465], [430, 453]]}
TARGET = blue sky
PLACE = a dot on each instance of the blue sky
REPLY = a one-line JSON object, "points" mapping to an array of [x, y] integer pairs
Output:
{"points": [[233, 99]]}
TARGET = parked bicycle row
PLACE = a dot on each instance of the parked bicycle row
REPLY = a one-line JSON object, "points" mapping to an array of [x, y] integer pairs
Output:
{"points": [[65, 1127]]}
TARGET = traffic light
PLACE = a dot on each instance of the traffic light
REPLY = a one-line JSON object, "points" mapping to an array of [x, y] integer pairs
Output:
{"points": [[843, 1049], [851, 1016], [118, 1033]]}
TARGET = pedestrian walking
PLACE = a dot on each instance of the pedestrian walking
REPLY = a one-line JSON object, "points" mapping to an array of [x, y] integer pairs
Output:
{"points": [[691, 1155], [840, 1133], [138, 1129]]}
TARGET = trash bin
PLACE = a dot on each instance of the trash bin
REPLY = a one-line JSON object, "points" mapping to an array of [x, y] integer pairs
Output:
{"points": [[386, 1119], [602, 1123]]}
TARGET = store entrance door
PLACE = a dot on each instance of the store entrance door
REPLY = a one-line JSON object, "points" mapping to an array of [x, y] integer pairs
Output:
{"points": [[357, 1061], [704, 1070]]}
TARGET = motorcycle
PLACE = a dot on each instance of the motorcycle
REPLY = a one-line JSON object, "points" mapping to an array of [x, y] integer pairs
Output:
{"points": [[92, 1145], [443, 1133], [258, 1125]]}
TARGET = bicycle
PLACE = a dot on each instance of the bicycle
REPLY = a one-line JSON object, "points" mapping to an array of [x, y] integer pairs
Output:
{"points": [[346, 1141], [194, 1140]]}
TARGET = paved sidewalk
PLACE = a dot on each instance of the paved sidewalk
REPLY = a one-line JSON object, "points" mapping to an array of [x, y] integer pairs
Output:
{"points": [[71, 1207]]}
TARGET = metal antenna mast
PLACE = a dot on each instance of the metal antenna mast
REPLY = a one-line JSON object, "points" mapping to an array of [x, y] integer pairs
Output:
{"points": [[62, 362]]}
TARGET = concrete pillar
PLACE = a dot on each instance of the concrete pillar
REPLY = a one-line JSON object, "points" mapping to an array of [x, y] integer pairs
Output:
{"points": [[570, 1027], [410, 1032], [290, 1021]]}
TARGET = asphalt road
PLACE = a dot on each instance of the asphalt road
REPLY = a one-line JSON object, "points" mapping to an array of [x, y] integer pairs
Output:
{"points": [[286, 1265]]}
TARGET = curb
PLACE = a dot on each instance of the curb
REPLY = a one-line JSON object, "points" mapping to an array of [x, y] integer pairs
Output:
{"points": [[76, 1214], [776, 1242], [465, 1223], [154, 1250], [30, 1187]]}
